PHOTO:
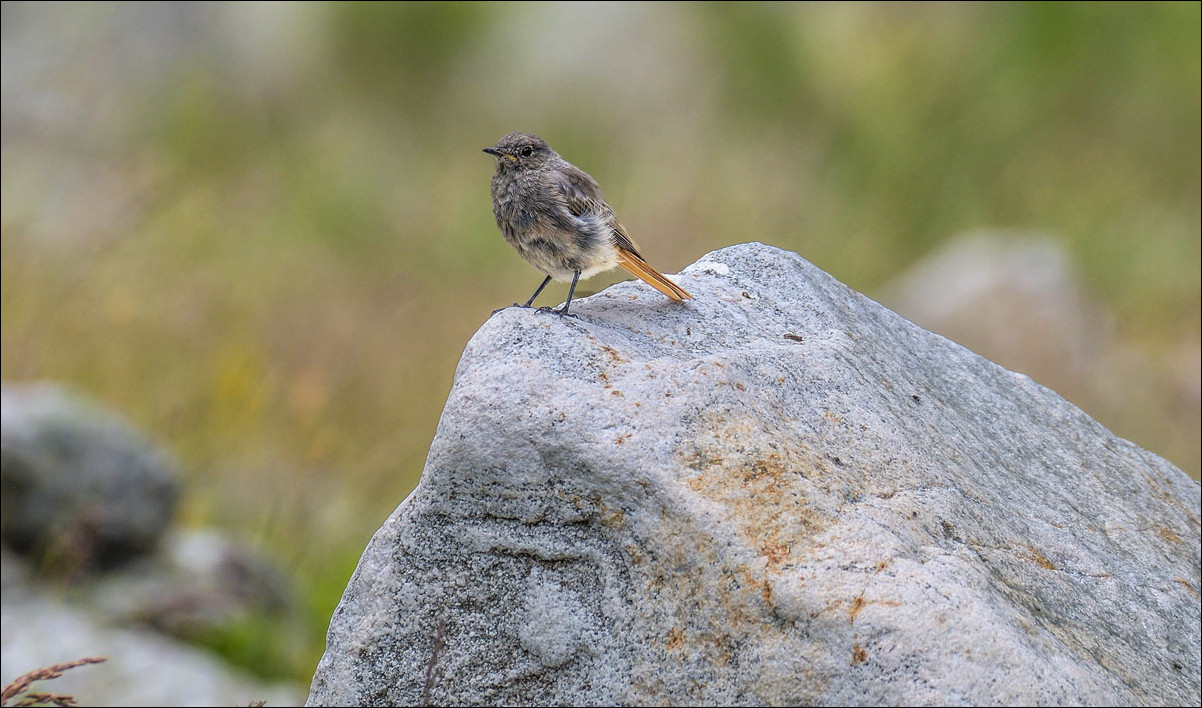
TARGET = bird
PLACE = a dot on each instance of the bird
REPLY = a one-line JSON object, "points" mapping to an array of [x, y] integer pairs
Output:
{"points": [[554, 215]]}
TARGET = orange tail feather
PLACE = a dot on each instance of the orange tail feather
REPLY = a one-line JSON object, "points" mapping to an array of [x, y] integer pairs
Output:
{"points": [[638, 268]]}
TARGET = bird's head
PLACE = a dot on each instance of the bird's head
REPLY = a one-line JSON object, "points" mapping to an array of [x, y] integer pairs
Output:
{"points": [[521, 151]]}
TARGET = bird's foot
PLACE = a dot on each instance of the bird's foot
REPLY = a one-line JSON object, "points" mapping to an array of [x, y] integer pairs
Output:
{"points": [[562, 312], [502, 309]]}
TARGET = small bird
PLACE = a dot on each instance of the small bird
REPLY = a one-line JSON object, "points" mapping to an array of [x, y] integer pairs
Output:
{"points": [[552, 212]]}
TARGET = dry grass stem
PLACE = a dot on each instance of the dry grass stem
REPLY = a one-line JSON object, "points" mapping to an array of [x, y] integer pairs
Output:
{"points": [[19, 687]]}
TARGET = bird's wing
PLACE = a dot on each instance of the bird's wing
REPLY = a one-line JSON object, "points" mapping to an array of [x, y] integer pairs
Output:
{"points": [[582, 197], [580, 192]]}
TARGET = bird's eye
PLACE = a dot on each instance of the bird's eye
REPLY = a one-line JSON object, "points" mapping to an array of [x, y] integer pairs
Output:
{"points": [[527, 152]]}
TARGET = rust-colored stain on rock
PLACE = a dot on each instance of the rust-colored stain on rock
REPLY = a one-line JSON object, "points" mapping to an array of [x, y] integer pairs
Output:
{"points": [[675, 639], [856, 605], [775, 552], [1040, 559], [1168, 534]]}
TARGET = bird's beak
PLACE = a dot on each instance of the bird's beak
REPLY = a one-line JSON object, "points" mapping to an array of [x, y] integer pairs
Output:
{"points": [[497, 152]]}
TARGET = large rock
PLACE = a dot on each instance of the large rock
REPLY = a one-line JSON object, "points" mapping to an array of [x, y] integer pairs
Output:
{"points": [[777, 493]]}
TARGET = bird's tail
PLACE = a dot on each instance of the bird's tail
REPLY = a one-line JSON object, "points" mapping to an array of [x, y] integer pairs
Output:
{"points": [[638, 268]]}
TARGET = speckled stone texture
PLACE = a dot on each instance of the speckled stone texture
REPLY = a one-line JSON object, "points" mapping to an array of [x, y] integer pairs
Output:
{"points": [[778, 493]]}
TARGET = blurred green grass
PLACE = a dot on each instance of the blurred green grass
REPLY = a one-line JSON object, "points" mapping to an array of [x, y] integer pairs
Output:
{"points": [[272, 258]]}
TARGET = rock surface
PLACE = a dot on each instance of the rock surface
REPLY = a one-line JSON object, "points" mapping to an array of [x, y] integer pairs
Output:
{"points": [[778, 493]]}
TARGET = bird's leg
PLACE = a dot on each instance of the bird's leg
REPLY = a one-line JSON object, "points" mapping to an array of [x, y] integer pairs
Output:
{"points": [[536, 292], [564, 310]]}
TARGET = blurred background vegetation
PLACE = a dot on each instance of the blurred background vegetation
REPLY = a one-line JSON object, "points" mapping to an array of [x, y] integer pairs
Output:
{"points": [[263, 231]]}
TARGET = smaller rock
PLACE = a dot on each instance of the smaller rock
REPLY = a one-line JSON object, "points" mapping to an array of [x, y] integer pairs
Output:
{"points": [[144, 668], [1013, 297], [82, 489], [198, 581]]}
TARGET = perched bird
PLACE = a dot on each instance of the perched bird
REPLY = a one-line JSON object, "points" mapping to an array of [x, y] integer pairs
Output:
{"points": [[552, 212]]}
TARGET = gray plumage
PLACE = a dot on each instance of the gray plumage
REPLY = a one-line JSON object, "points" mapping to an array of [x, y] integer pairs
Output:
{"points": [[553, 214]]}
